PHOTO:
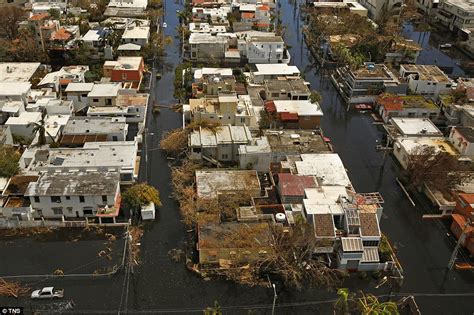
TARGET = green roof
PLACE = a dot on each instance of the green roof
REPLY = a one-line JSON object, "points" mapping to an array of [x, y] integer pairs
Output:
{"points": [[418, 101]]}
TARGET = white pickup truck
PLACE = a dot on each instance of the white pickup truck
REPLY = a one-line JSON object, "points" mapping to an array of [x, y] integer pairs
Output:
{"points": [[48, 293]]}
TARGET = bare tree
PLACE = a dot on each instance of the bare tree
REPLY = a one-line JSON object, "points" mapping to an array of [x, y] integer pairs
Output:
{"points": [[10, 16]]}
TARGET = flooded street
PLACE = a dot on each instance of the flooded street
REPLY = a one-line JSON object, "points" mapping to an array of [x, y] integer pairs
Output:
{"points": [[161, 285]]}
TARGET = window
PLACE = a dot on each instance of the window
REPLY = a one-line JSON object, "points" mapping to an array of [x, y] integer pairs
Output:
{"points": [[212, 258], [69, 209], [81, 199], [114, 138], [95, 100], [84, 95], [370, 243], [58, 211], [87, 211], [108, 101], [36, 199], [68, 197], [224, 156], [104, 199], [124, 76], [55, 199]]}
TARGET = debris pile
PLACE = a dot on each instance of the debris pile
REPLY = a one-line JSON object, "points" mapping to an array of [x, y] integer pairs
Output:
{"points": [[136, 234], [12, 289]]}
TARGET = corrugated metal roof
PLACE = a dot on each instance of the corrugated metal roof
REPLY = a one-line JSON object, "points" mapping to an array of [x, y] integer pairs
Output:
{"points": [[352, 244], [370, 255]]}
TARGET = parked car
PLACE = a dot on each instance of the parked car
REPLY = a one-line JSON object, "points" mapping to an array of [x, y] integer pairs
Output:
{"points": [[445, 46], [48, 293], [165, 25], [363, 107]]}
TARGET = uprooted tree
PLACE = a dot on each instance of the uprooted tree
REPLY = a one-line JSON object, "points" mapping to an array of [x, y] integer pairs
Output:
{"points": [[140, 195], [437, 168], [9, 158], [362, 303]]}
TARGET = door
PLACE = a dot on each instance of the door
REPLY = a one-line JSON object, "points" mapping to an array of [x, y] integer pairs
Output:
{"points": [[352, 265], [77, 214]]}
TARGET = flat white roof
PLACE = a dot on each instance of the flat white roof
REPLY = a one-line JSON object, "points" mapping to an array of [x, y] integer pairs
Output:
{"points": [[276, 69], [91, 36], [95, 125], [324, 200], [416, 126], [140, 32], [104, 90], [79, 87], [128, 63], [302, 108], [223, 135], [128, 3], [327, 167], [206, 38], [14, 88], [129, 46], [17, 71], [54, 123], [25, 118], [120, 154], [199, 73], [412, 144]]}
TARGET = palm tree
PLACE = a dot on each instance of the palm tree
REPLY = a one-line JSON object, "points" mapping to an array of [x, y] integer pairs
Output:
{"points": [[40, 128], [370, 305]]}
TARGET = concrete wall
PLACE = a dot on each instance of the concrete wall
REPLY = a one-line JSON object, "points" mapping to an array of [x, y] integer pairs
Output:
{"points": [[428, 87], [464, 146]]}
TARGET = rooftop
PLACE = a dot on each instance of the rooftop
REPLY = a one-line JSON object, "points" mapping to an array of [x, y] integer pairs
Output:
{"points": [[369, 225], [17, 71], [79, 87], [25, 118], [324, 200], [294, 185], [276, 69], [324, 225], [426, 72], [352, 244], [415, 126], [18, 184], [75, 184], [223, 135], [104, 90], [128, 63], [129, 47], [292, 141], [95, 125], [126, 99], [204, 72], [93, 154], [398, 102], [327, 167], [132, 32], [210, 183], [372, 71], [14, 88], [301, 108], [206, 38], [412, 144], [286, 86]]}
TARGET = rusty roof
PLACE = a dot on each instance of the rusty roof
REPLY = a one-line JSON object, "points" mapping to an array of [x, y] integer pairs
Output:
{"points": [[18, 184], [369, 225], [324, 225], [81, 139], [294, 185]]}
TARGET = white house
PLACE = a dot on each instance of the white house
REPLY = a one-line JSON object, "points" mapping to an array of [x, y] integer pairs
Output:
{"points": [[415, 127], [23, 125], [52, 106], [75, 195], [78, 94], [273, 71], [426, 79], [326, 167], [266, 49], [129, 104], [457, 15], [463, 139], [137, 35], [80, 130]]}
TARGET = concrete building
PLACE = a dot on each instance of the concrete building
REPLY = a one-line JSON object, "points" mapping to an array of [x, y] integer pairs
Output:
{"points": [[428, 7], [292, 187], [78, 94], [221, 145], [414, 127], [42, 26], [273, 71], [275, 145], [213, 183], [426, 79], [14, 97], [290, 114], [457, 15], [463, 139], [118, 156], [95, 40], [406, 106], [296, 90], [378, 8], [80, 130], [129, 105], [18, 71], [203, 27], [327, 168], [59, 80], [266, 49], [206, 47], [23, 125], [75, 195], [103, 94], [403, 148], [137, 35], [52, 106], [127, 70], [366, 83], [212, 81], [342, 6]]}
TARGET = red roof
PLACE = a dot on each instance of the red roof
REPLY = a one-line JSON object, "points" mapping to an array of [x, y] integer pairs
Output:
{"points": [[263, 8], [39, 16], [270, 106], [461, 222], [289, 116], [248, 15], [294, 185], [262, 25], [469, 198], [391, 102], [61, 34]]}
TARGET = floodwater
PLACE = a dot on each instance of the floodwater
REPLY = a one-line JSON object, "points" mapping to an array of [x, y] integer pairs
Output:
{"points": [[160, 285]]}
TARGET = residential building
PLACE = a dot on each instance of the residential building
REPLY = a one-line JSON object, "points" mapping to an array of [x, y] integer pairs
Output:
{"points": [[52, 106], [413, 127], [80, 130], [403, 50], [16, 72], [220, 145], [291, 188], [426, 79], [296, 90], [54, 125], [225, 244], [214, 15], [75, 195], [14, 97], [126, 8], [366, 83], [42, 27], [206, 47], [59, 80], [127, 70], [95, 41], [224, 109], [460, 225], [22, 126], [118, 156], [273, 71], [137, 35], [15, 205], [202, 27], [428, 7], [403, 148], [457, 15], [406, 106], [266, 49], [78, 94], [129, 104], [104, 94], [325, 7], [215, 183], [463, 139], [327, 168], [458, 104], [290, 114], [378, 8], [212, 81], [64, 38], [275, 145]]}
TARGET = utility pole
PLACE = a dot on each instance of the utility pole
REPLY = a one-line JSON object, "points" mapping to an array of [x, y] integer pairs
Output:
{"points": [[461, 239], [272, 285]]}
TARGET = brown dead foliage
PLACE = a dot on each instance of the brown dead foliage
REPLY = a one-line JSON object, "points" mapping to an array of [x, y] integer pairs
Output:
{"points": [[12, 289], [136, 233]]}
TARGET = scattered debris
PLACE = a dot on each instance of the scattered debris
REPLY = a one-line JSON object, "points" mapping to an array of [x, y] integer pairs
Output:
{"points": [[136, 234], [176, 254], [12, 289], [58, 272]]}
